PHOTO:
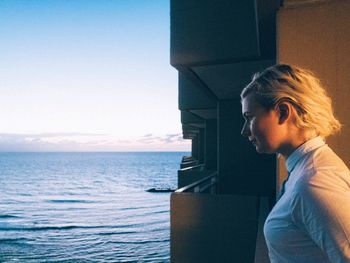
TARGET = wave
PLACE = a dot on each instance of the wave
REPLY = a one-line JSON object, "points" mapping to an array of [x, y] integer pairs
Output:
{"points": [[117, 233], [15, 240], [140, 242], [70, 201], [117, 228], [8, 216], [47, 228], [25, 194], [142, 207]]}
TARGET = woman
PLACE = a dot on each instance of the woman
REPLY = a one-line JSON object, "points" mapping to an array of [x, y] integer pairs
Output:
{"points": [[288, 112]]}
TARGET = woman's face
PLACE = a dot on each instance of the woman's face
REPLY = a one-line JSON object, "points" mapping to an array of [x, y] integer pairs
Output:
{"points": [[262, 126]]}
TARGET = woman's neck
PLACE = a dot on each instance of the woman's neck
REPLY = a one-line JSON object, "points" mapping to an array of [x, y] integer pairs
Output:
{"points": [[296, 140]]}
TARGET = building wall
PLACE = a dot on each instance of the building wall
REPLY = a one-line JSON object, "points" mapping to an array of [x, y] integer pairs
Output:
{"points": [[316, 35]]}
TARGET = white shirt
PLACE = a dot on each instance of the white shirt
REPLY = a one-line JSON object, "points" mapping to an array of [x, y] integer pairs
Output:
{"points": [[311, 221]]}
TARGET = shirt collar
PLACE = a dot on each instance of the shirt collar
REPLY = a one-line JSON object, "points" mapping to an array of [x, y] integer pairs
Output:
{"points": [[303, 149]]}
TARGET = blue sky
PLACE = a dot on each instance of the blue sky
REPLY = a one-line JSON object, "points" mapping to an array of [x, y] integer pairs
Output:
{"points": [[87, 75]]}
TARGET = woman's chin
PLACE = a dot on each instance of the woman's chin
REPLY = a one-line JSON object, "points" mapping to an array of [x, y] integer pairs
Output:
{"points": [[260, 149]]}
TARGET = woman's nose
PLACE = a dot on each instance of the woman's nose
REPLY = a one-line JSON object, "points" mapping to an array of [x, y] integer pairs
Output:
{"points": [[245, 130]]}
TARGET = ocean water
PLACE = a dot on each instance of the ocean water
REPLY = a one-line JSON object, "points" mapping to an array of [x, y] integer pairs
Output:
{"points": [[85, 207]]}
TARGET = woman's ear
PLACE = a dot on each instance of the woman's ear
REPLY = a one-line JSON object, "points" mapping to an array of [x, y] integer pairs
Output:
{"points": [[284, 110]]}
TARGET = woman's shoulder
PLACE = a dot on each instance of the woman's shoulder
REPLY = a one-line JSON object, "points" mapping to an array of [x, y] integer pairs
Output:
{"points": [[326, 172], [324, 158]]}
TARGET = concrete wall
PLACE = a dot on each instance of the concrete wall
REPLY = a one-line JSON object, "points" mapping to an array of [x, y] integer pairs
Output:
{"points": [[217, 46], [213, 228], [210, 148], [206, 31], [241, 170]]}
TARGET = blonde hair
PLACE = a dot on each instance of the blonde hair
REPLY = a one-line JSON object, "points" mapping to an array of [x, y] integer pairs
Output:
{"points": [[302, 89]]}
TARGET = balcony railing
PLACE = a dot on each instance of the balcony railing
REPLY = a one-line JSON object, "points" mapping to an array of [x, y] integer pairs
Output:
{"points": [[205, 185], [188, 163], [192, 167]]}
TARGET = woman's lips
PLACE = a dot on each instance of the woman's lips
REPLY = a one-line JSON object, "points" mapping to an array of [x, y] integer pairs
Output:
{"points": [[253, 141]]}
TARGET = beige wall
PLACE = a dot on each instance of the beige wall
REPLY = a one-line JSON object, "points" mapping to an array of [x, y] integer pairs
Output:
{"points": [[316, 35]]}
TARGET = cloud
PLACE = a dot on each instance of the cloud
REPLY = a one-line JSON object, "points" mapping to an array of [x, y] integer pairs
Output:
{"points": [[166, 139], [171, 138], [149, 138], [91, 142]]}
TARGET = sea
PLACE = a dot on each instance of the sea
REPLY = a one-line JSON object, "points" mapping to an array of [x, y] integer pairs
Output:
{"points": [[86, 207]]}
